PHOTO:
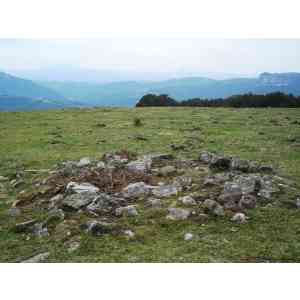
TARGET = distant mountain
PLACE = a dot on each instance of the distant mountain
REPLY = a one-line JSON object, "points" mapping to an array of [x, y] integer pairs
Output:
{"points": [[128, 93], [19, 103], [15, 86], [22, 94]]}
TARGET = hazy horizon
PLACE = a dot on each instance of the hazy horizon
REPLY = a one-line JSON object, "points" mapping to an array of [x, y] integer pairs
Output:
{"points": [[153, 58]]}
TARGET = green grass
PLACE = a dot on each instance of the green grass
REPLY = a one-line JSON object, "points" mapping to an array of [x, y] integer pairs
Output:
{"points": [[38, 140]]}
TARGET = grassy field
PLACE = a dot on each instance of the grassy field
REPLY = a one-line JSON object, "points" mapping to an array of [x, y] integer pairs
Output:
{"points": [[38, 140]]}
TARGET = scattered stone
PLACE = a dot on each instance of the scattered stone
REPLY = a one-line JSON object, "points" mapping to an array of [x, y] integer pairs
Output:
{"points": [[40, 230], [14, 212], [77, 201], [246, 184], [73, 246], [206, 157], [55, 215], [213, 207], [233, 197], [3, 179], [167, 171], [142, 166], [266, 169], [154, 203], [220, 163], [98, 228], [55, 201], [84, 162], [37, 258], [129, 211], [74, 187], [100, 165], [24, 226], [136, 190], [183, 183], [187, 200], [247, 202], [298, 203], [188, 236], [177, 214], [104, 203], [165, 191], [240, 165], [239, 218], [129, 233]]}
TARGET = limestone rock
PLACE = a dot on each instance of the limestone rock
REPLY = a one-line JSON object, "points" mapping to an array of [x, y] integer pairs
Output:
{"points": [[37, 258], [104, 203], [177, 214], [136, 190], [188, 236], [74, 187], [129, 211], [239, 218], [77, 201], [84, 162], [165, 191], [187, 200]]}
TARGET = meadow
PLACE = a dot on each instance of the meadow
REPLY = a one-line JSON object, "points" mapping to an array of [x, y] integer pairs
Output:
{"points": [[39, 140]]}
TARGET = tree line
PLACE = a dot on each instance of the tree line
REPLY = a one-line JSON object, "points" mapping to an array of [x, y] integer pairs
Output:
{"points": [[276, 99]]}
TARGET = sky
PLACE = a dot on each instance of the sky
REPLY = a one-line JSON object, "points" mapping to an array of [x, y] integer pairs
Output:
{"points": [[178, 56]]}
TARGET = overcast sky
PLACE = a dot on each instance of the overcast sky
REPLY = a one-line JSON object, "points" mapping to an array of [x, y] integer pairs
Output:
{"points": [[237, 56]]}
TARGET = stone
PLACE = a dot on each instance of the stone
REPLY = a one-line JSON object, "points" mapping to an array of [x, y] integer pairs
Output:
{"points": [[98, 228], [206, 157], [3, 179], [142, 166], [55, 201], [104, 203], [245, 184], [218, 211], [100, 165], [129, 233], [24, 226], [234, 197], [37, 258], [167, 171], [84, 162], [188, 236], [14, 212], [213, 207], [247, 202], [154, 203], [266, 169], [220, 163], [73, 246], [129, 211], [239, 165], [187, 200], [77, 201], [55, 215], [209, 204], [239, 218], [40, 230], [298, 203], [74, 187], [159, 158], [136, 190], [183, 183], [165, 191], [177, 214]]}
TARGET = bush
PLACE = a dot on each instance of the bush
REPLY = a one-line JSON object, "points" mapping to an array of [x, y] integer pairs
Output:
{"points": [[137, 122]]}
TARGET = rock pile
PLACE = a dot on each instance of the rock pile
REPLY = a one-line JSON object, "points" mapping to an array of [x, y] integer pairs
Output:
{"points": [[91, 196]]}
